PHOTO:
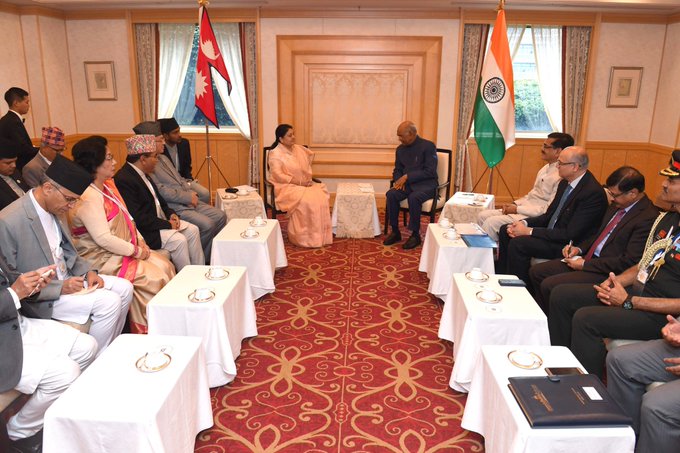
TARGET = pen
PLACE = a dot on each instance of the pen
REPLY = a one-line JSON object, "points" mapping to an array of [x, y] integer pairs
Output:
{"points": [[569, 247]]}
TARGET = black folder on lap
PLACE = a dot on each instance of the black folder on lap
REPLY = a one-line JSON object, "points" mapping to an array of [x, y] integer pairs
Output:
{"points": [[479, 240], [574, 400]]}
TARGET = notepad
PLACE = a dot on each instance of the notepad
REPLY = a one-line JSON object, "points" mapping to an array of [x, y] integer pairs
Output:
{"points": [[479, 240]]}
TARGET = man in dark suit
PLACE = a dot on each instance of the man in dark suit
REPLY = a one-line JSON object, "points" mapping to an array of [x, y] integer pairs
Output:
{"points": [[178, 150], [573, 215], [617, 245], [415, 179], [12, 125], [160, 226], [37, 356], [12, 185]]}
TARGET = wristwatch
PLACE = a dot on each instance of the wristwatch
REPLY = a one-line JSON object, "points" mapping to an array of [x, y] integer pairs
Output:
{"points": [[628, 303]]}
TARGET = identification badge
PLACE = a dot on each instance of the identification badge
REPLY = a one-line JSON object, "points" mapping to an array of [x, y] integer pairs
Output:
{"points": [[642, 276]]}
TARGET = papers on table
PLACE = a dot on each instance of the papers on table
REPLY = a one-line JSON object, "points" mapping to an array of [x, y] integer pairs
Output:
{"points": [[468, 228]]}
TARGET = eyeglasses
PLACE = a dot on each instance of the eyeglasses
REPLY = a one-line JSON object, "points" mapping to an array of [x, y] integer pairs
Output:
{"points": [[68, 200], [109, 157], [562, 164], [613, 195]]}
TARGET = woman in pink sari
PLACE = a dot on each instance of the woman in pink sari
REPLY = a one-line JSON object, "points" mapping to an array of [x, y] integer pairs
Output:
{"points": [[105, 234], [306, 202]]}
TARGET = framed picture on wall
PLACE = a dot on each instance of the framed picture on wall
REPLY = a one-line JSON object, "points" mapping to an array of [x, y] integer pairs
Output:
{"points": [[624, 87], [101, 81]]}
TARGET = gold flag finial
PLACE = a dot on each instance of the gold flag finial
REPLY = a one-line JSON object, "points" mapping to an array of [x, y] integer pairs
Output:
{"points": [[203, 2], [501, 5]]}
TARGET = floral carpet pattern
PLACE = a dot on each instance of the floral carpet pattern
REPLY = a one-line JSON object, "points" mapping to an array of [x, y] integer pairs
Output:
{"points": [[347, 360]]}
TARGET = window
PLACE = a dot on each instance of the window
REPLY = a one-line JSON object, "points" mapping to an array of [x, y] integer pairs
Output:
{"points": [[186, 112]]}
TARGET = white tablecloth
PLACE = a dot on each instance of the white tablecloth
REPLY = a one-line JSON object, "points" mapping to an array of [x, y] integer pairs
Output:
{"points": [[471, 324], [262, 255], [355, 214], [463, 207], [493, 412], [223, 322], [241, 207], [442, 257], [114, 407]]}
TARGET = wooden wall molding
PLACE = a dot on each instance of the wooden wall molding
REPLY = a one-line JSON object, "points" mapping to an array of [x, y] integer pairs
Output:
{"points": [[346, 95], [190, 15], [288, 13]]}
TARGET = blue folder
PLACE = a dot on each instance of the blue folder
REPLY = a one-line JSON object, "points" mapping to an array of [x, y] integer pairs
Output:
{"points": [[479, 240]]}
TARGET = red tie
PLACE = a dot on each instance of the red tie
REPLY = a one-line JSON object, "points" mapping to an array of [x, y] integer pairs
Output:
{"points": [[608, 229]]}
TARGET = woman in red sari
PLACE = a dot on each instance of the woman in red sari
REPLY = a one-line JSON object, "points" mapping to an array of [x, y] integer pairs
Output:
{"points": [[105, 233]]}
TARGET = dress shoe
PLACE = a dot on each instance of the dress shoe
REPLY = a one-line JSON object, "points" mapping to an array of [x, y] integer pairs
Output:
{"points": [[412, 242], [393, 238], [32, 444]]}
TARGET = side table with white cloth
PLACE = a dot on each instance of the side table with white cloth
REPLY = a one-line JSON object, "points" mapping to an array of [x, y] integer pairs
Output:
{"points": [[355, 214], [493, 412], [470, 323], [442, 257], [237, 206], [262, 254], [121, 404], [223, 318], [463, 207]]}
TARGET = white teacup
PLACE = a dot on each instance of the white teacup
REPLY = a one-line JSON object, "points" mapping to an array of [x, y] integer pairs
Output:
{"points": [[481, 198], [216, 272], [451, 234], [258, 220], [155, 359], [202, 293], [487, 294], [444, 223], [250, 232], [476, 273], [242, 192]]}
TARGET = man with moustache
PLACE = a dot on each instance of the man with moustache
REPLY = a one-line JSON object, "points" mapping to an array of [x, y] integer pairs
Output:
{"points": [[51, 143], [12, 185]]}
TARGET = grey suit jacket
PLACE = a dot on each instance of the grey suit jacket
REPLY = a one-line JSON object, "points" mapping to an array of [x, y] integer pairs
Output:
{"points": [[25, 248], [171, 185], [34, 170], [11, 347]]}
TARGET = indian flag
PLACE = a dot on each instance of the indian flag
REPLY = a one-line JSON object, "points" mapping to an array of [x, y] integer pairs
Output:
{"points": [[495, 102]]}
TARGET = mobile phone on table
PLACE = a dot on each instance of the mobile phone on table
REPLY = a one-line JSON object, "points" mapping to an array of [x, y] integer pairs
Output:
{"points": [[511, 282]]}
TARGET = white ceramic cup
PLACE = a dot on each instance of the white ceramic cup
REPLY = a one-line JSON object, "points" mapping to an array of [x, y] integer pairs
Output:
{"points": [[444, 222], [216, 272], [250, 232], [258, 220], [242, 192], [202, 293], [480, 198], [476, 273], [488, 294]]}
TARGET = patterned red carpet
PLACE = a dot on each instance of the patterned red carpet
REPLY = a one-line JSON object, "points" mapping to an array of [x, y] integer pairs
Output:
{"points": [[347, 360]]}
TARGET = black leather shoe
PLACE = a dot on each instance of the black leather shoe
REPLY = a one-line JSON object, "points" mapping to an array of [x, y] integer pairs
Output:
{"points": [[412, 242], [393, 238], [31, 444]]}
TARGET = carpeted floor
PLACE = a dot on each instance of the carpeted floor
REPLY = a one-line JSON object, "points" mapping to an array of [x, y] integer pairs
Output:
{"points": [[347, 360]]}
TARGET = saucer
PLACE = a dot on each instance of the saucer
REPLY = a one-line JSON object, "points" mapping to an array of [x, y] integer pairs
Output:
{"points": [[229, 196], [526, 360], [245, 236], [497, 297], [225, 275], [192, 297], [482, 278], [256, 225], [451, 237], [143, 367], [244, 194]]}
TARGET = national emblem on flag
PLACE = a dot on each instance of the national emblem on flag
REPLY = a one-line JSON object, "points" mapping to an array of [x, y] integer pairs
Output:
{"points": [[495, 101], [209, 56]]}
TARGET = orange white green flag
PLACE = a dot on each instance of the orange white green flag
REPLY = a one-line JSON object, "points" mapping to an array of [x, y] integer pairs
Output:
{"points": [[495, 102]]}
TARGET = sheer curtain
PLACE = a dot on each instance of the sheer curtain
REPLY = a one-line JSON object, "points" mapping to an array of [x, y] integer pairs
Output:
{"points": [[548, 54], [175, 49], [145, 45], [249, 48], [576, 53], [474, 43], [229, 42]]}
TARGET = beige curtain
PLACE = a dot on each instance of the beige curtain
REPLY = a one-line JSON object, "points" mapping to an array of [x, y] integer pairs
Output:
{"points": [[249, 47], [576, 49], [474, 43], [548, 55], [145, 42]]}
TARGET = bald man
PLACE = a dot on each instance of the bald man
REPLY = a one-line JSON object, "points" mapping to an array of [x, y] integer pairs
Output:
{"points": [[574, 215], [415, 179]]}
